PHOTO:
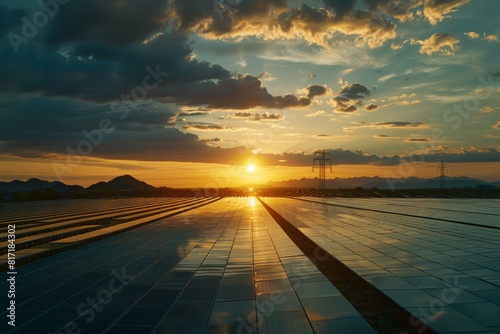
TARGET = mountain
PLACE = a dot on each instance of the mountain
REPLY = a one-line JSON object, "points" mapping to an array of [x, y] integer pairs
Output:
{"points": [[36, 184], [124, 182], [384, 183]]}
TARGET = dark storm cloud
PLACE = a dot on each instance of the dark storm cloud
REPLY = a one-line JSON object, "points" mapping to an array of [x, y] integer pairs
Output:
{"points": [[399, 125], [340, 100], [93, 53], [359, 157], [10, 17], [340, 7], [354, 91], [346, 109], [208, 16], [207, 127], [315, 90], [386, 125], [465, 155], [60, 116], [102, 72], [256, 116], [349, 98], [61, 124], [338, 156], [240, 92], [116, 22], [413, 140], [52, 127], [384, 137]]}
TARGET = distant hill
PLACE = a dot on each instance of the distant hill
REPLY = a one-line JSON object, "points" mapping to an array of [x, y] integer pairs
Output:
{"points": [[384, 183], [129, 183], [124, 182], [36, 184]]}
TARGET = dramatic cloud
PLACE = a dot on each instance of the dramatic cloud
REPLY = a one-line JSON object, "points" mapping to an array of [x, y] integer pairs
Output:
{"points": [[207, 127], [339, 100], [386, 125], [399, 9], [339, 157], [315, 90], [84, 136], [359, 157], [241, 92], [173, 119], [384, 137], [256, 116], [21, 130], [451, 155], [10, 17], [340, 8], [436, 10], [349, 98], [115, 22], [273, 19], [413, 140], [400, 125], [343, 105], [138, 66], [444, 43], [163, 69], [354, 91], [346, 109]]}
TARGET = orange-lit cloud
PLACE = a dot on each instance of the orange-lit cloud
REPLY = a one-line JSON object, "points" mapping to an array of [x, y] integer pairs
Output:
{"points": [[444, 43], [275, 20], [436, 10]]}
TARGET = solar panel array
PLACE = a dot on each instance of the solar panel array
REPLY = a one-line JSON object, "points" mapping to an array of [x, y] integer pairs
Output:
{"points": [[226, 267], [444, 273], [229, 267]]}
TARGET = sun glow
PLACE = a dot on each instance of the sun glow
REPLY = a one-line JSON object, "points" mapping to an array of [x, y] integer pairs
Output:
{"points": [[251, 168]]}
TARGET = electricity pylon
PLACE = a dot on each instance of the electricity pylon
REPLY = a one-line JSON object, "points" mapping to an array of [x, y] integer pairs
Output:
{"points": [[442, 169], [321, 160]]}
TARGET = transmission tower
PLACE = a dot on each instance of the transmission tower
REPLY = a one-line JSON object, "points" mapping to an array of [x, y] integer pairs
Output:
{"points": [[442, 169], [321, 160]]}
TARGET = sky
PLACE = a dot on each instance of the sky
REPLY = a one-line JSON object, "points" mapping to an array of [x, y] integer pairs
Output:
{"points": [[189, 93]]}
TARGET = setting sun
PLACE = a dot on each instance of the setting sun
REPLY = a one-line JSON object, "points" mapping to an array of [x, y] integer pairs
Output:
{"points": [[251, 168]]}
